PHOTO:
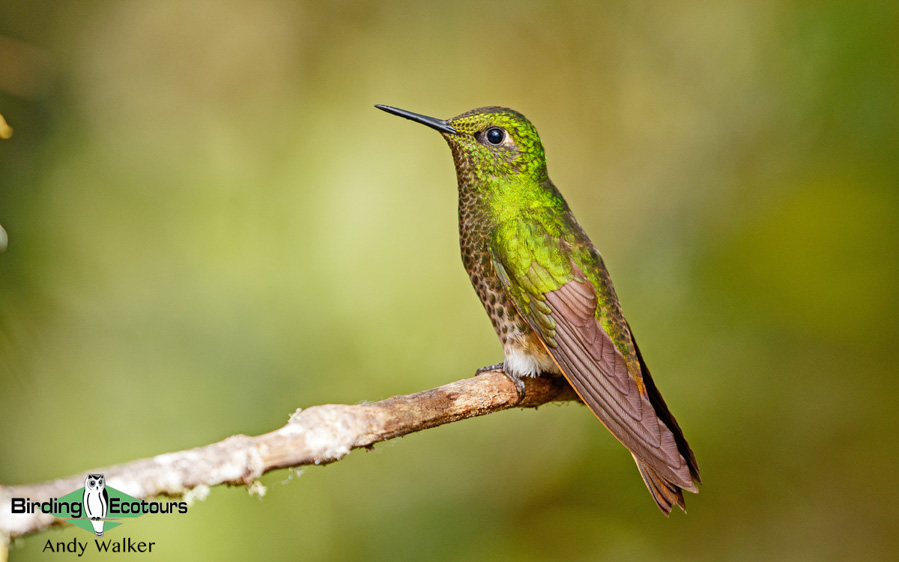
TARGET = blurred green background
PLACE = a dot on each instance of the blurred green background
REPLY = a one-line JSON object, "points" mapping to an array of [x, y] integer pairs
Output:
{"points": [[210, 226]]}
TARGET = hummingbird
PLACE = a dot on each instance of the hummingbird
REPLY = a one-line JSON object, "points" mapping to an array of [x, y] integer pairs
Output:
{"points": [[549, 295]]}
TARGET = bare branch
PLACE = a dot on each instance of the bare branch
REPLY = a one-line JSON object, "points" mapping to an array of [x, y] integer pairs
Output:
{"points": [[316, 435]]}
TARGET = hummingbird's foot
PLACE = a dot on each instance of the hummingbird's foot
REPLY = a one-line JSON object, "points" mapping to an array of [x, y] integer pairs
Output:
{"points": [[500, 367], [519, 385], [489, 369]]}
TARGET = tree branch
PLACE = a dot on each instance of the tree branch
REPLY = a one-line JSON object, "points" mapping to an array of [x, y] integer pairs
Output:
{"points": [[316, 435]]}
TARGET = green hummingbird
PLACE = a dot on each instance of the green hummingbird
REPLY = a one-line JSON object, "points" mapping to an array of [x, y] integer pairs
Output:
{"points": [[549, 295]]}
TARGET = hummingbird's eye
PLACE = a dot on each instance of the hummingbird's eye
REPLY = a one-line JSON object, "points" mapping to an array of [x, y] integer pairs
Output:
{"points": [[495, 136]]}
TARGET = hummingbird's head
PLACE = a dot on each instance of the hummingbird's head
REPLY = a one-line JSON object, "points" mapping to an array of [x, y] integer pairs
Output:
{"points": [[488, 142]]}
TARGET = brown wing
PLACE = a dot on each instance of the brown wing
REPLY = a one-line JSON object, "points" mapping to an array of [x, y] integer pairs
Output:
{"points": [[596, 369], [661, 409], [626, 402]]}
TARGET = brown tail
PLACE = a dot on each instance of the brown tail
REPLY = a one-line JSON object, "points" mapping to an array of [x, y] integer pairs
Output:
{"points": [[666, 494]]}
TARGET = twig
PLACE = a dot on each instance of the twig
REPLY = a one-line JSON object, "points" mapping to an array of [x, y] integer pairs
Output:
{"points": [[316, 435]]}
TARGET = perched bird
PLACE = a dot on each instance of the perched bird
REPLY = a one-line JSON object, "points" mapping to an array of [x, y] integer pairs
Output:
{"points": [[549, 295]]}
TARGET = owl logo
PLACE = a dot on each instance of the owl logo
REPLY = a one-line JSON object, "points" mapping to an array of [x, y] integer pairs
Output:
{"points": [[96, 501]]}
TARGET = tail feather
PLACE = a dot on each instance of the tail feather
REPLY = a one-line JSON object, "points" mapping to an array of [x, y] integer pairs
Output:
{"points": [[665, 493]]}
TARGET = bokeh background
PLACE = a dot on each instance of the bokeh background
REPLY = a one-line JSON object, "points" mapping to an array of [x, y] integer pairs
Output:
{"points": [[210, 226]]}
